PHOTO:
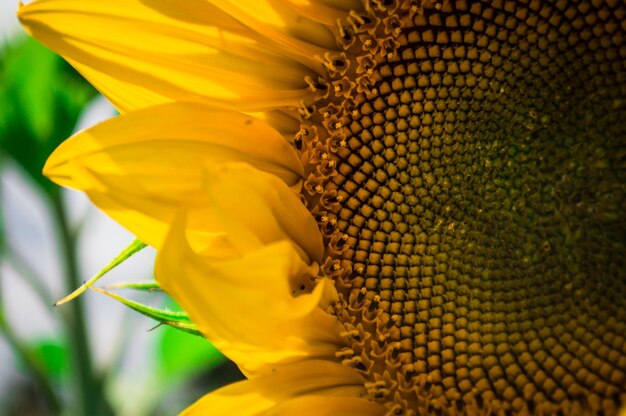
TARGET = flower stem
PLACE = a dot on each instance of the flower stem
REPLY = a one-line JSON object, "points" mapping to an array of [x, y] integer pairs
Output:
{"points": [[89, 389], [13, 259], [31, 362]]}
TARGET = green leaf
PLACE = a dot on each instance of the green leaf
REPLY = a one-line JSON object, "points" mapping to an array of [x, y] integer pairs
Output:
{"points": [[134, 247], [41, 97], [53, 356], [180, 355], [175, 319], [149, 286]]}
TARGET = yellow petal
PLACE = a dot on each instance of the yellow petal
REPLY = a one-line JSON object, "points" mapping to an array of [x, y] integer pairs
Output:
{"points": [[285, 121], [327, 406], [139, 56], [151, 161], [246, 306], [253, 397], [325, 11], [257, 208], [281, 22], [152, 228]]}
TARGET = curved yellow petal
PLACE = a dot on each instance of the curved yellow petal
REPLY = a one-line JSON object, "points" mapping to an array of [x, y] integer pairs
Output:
{"points": [[326, 12], [152, 228], [246, 305], [327, 406], [285, 121], [151, 161], [263, 393], [138, 56], [279, 21], [257, 208]]}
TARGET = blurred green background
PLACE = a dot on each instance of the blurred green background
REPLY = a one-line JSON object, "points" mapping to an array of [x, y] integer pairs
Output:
{"points": [[91, 356]]}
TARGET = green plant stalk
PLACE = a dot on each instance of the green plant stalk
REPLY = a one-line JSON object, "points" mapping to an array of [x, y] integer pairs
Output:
{"points": [[30, 276], [89, 389], [26, 355]]}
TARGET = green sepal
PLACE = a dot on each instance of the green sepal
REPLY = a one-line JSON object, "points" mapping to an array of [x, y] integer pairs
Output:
{"points": [[134, 247], [178, 320], [148, 286]]}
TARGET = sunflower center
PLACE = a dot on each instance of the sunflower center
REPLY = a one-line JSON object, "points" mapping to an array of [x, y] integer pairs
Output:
{"points": [[467, 163]]}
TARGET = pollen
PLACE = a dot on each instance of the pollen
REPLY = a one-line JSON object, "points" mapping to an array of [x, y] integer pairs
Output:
{"points": [[469, 183]]}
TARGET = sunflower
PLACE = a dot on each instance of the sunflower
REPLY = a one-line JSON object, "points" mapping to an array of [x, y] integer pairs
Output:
{"points": [[374, 207]]}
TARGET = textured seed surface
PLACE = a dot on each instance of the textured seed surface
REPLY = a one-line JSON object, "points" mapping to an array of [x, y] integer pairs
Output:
{"points": [[479, 167]]}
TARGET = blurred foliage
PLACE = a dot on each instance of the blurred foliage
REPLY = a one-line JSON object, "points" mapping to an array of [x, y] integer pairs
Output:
{"points": [[52, 354], [181, 355], [41, 97]]}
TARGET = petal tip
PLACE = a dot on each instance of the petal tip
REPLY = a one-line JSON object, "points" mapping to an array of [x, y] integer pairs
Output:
{"points": [[56, 167]]}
